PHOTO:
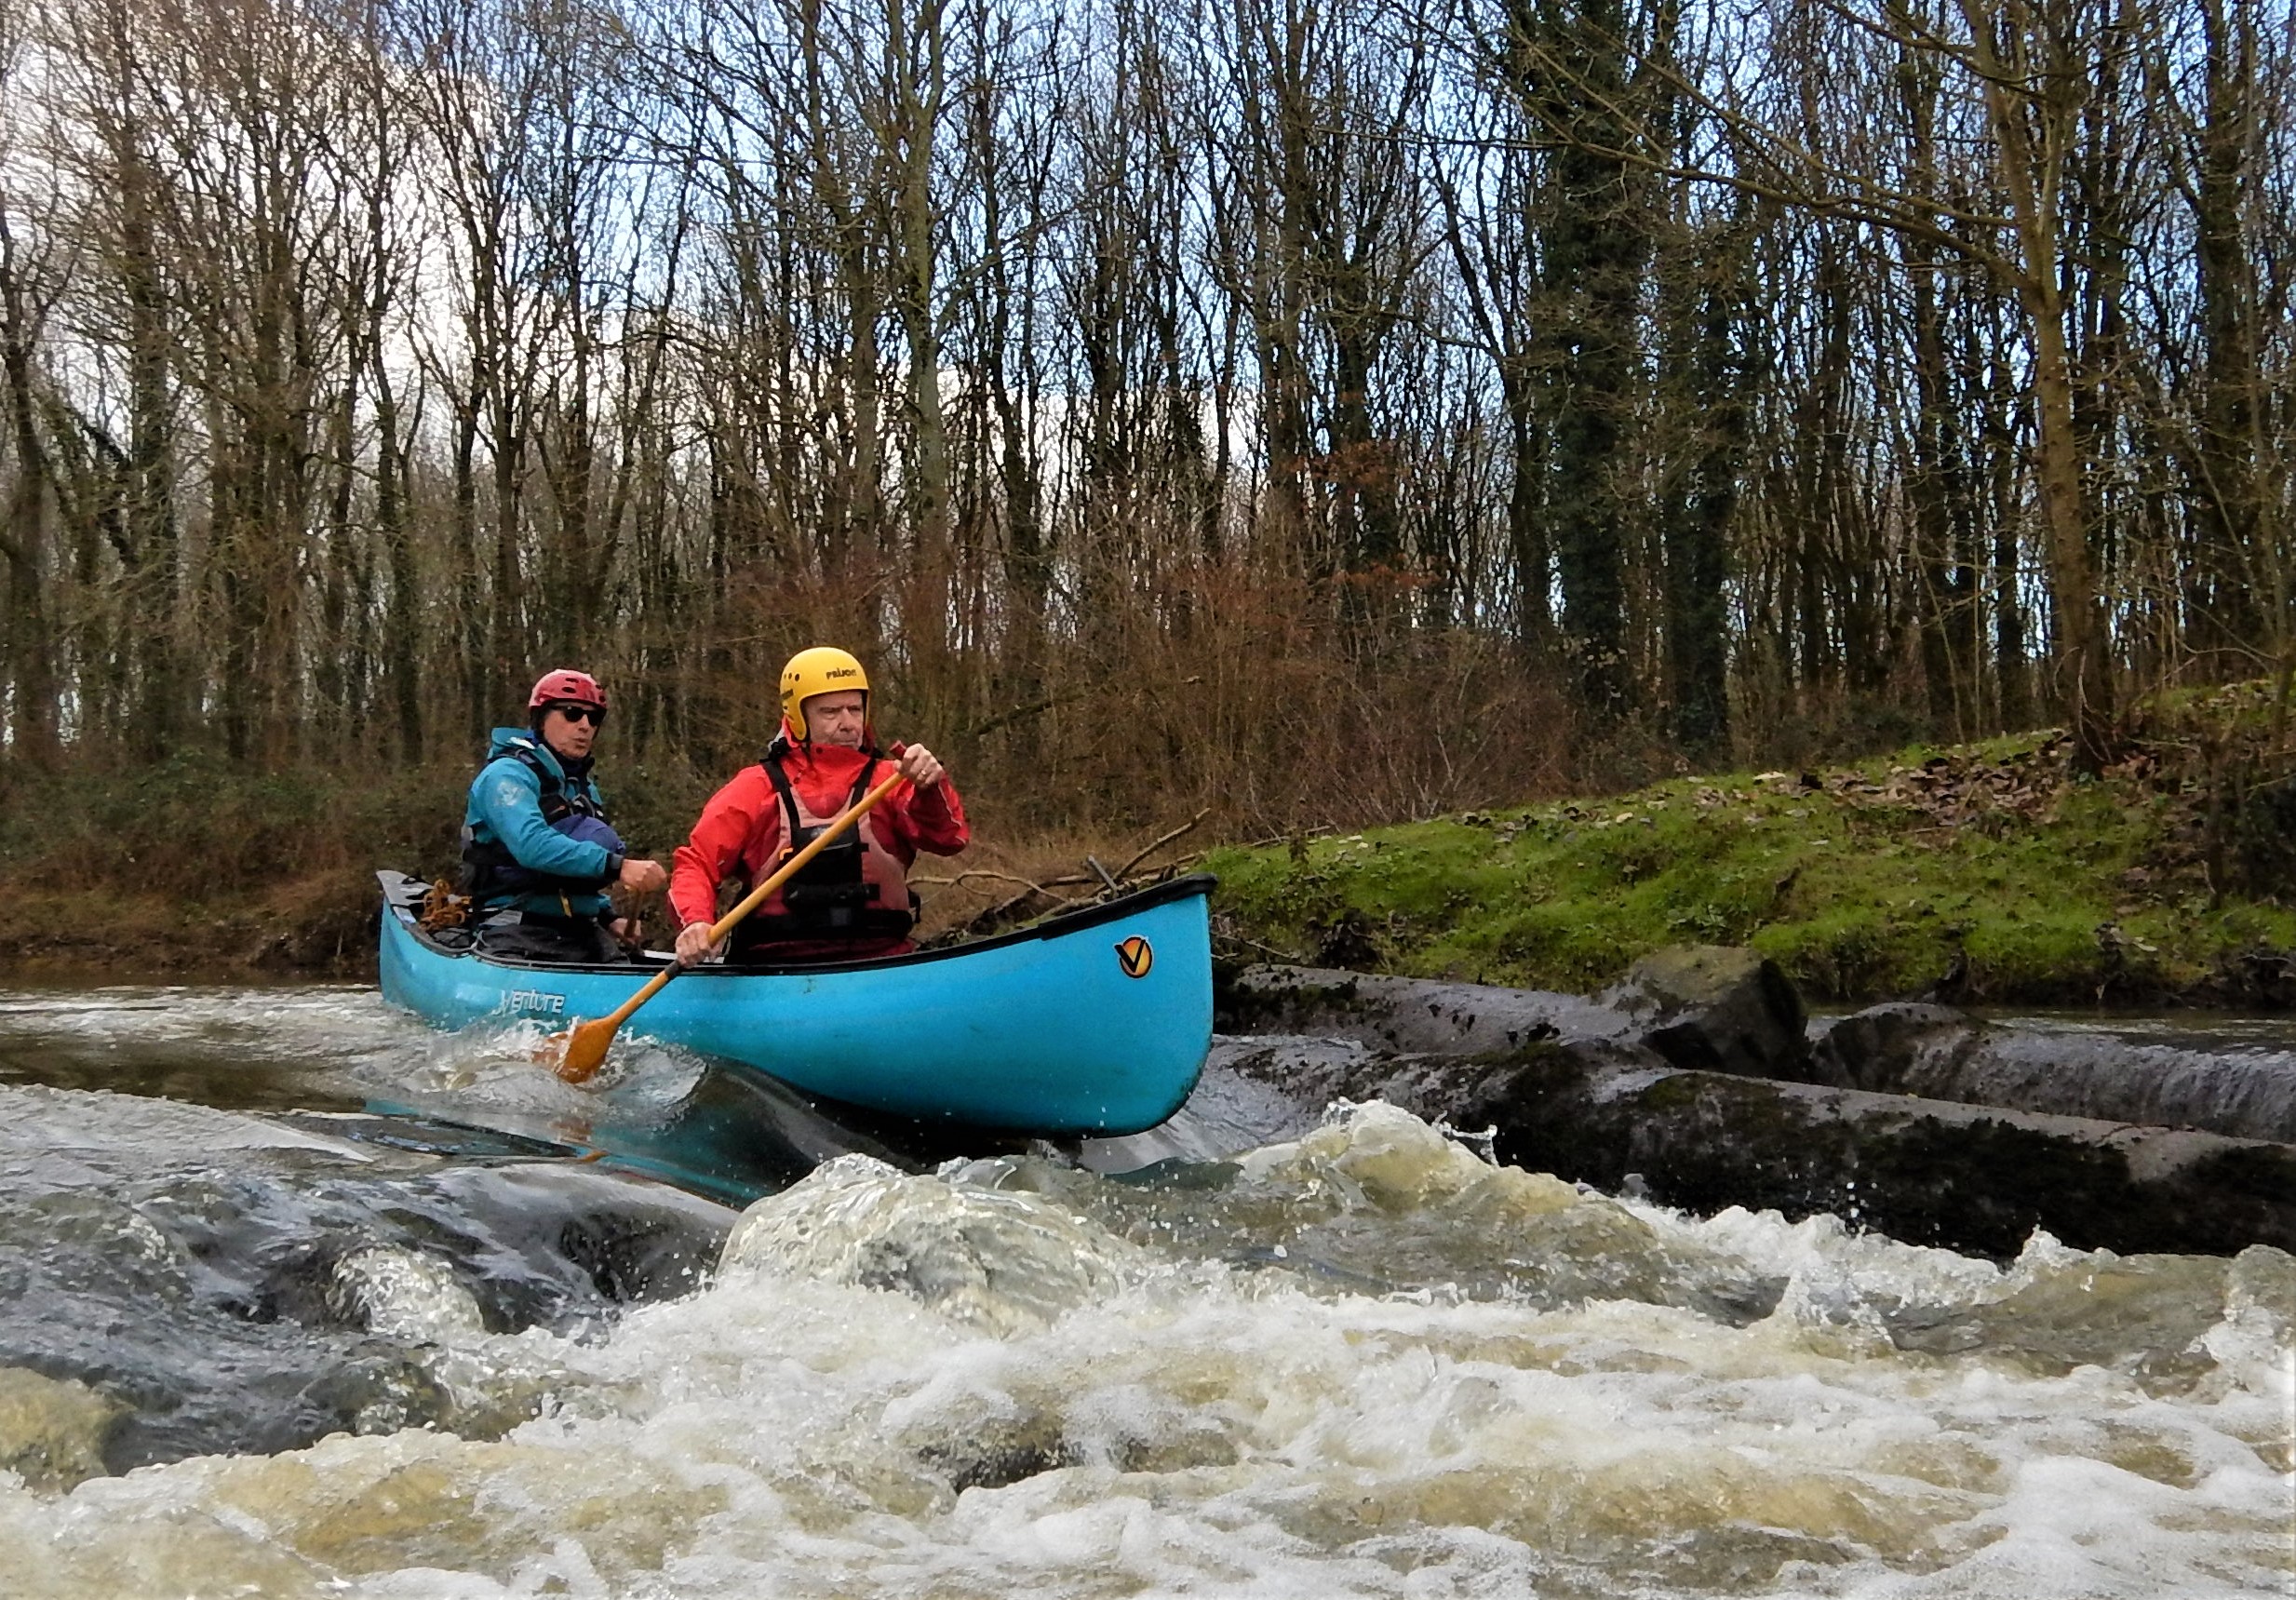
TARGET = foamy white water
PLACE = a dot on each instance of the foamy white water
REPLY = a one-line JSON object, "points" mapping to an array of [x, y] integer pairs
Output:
{"points": [[1365, 1364]]}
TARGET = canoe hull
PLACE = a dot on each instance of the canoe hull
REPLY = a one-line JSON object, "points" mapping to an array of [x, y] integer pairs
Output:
{"points": [[1049, 1031]]}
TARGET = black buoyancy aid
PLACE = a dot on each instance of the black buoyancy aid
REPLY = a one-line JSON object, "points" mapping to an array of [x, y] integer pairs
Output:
{"points": [[491, 872], [853, 889]]}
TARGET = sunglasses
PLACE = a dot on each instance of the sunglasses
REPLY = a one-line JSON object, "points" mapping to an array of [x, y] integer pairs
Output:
{"points": [[594, 715]]}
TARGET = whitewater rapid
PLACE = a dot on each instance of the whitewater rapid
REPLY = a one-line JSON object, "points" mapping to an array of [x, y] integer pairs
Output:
{"points": [[1362, 1361]]}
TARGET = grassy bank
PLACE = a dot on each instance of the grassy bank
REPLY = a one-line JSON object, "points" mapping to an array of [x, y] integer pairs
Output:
{"points": [[1977, 873], [1974, 873]]}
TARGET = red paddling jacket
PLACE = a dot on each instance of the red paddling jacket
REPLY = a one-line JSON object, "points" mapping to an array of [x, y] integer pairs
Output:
{"points": [[852, 901]]}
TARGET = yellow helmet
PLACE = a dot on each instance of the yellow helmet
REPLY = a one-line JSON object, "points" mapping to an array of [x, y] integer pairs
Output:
{"points": [[821, 670]]}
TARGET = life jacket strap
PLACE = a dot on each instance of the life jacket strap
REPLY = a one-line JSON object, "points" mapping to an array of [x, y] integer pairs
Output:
{"points": [[831, 896]]}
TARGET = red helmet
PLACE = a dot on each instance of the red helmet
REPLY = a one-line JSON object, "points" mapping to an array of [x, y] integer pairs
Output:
{"points": [[566, 686]]}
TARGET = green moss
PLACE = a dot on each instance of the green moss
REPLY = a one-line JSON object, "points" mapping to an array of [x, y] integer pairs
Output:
{"points": [[2018, 884]]}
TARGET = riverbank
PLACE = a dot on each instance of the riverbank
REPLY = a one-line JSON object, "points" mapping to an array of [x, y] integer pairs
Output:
{"points": [[319, 926], [1979, 873], [191, 872]]}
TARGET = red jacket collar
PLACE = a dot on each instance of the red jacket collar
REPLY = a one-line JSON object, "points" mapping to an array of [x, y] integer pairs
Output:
{"points": [[833, 762]]}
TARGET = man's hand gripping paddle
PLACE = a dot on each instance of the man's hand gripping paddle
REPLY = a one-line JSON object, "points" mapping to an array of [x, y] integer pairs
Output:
{"points": [[585, 1044]]}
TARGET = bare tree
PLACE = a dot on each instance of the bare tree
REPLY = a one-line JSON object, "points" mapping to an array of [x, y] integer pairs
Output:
{"points": [[29, 284]]}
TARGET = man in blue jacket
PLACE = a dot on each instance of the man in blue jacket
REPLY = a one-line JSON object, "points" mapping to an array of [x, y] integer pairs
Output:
{"points": [[538, 854]]}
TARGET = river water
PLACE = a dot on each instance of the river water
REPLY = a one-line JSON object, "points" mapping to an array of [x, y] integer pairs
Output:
{"points": [[298, 1298]]}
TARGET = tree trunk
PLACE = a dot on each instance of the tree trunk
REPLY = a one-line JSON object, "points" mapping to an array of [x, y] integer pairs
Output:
{"points": [[402, 619], [2241, 582], [2033, 133], [1593, 246], [26, 536], [1698, 510]]}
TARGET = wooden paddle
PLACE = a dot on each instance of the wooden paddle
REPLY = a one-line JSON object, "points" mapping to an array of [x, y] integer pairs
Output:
{"points": [[586, 1043]]}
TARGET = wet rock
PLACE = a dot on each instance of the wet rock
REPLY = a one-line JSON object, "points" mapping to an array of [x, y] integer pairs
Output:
{"points": [[1891, 1048], [1004, 1452], [1414, 1014], [1909, 1117], [1928, 1172], [634, 1256], [1707, 1007], [52, 1431], [237, 1283], [529, 1243], [1934, 1051], [1717, 1008]]}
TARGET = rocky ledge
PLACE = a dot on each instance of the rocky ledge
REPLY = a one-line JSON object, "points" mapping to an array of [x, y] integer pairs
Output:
{"points": [[1700, 1081]]}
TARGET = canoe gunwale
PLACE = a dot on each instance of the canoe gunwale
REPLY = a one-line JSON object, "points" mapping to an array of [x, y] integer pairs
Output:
{"points": [[403, 892]]}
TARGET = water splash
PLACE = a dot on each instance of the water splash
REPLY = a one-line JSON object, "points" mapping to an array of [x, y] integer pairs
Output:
{"points": [[999, 1261], [404, 1295]]}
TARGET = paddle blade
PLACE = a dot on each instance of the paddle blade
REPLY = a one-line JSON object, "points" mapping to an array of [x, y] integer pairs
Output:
{"points": [[586, 1049]]}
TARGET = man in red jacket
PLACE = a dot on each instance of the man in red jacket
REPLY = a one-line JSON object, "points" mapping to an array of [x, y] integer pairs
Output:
{"points": [[852, 901]]}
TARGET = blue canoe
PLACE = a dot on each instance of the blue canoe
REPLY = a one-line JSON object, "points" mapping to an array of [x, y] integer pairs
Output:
{"points": [[1094, 1022]]}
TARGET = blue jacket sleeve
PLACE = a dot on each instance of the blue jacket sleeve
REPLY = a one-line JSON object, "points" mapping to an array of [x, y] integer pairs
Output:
{"points": [[509, 799]]}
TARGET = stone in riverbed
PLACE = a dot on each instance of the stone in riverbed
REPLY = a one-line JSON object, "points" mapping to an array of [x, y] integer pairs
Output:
{"points": [[1717, 1008], [1901, 1046], [2241, 1091], [52, 1430], [1912, 1119], [1414, 1014], [1709, 1008], [1928, 1172]]}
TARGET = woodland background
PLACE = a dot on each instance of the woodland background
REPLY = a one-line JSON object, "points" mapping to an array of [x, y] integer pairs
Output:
{"points": [[1316, 411]]}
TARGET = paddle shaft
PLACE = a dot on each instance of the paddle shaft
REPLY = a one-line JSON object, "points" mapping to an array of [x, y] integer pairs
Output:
{"points": [[762, 893]]}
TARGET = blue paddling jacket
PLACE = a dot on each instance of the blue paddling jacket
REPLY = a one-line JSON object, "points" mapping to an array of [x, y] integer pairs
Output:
{"points": [[535, 836]]}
